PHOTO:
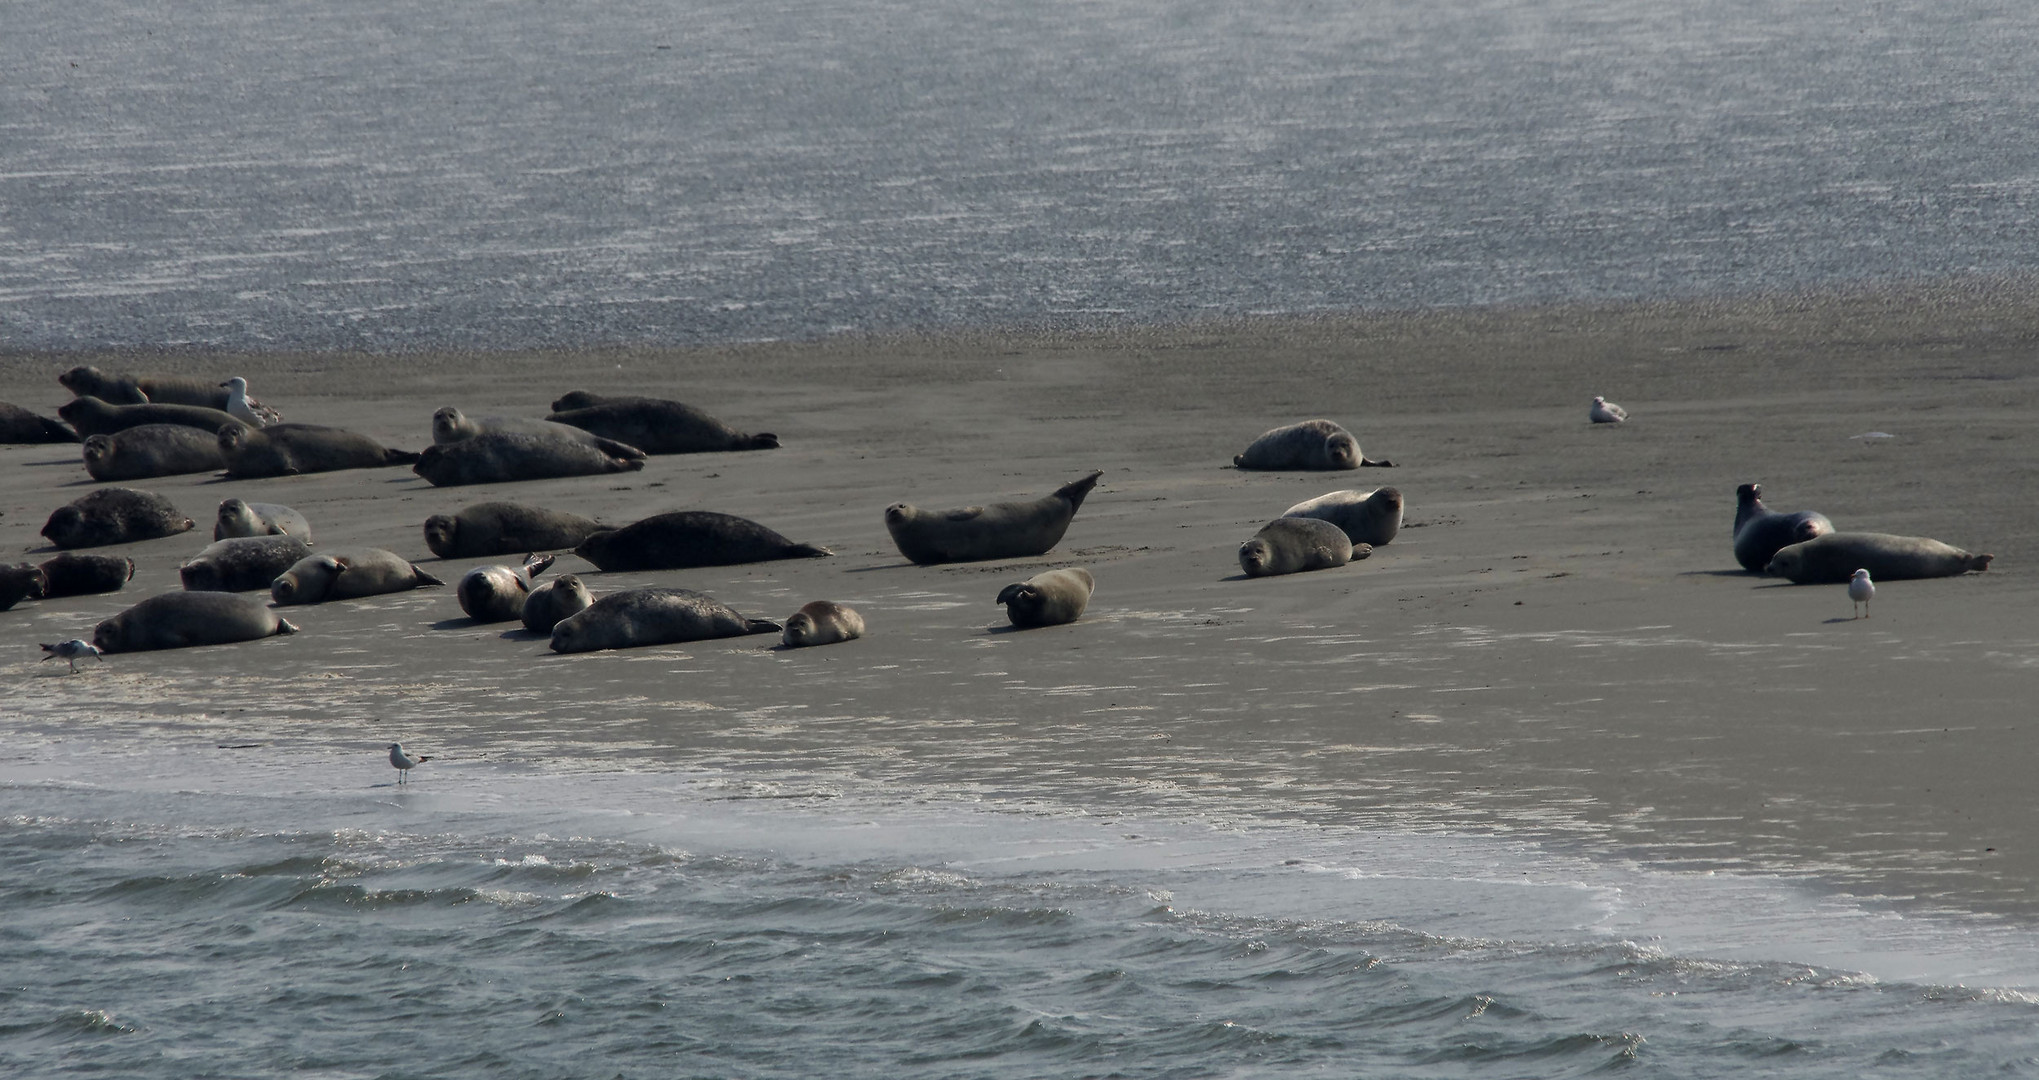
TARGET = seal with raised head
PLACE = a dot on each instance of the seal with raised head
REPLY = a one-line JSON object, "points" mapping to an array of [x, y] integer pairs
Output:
{"points": [[114, 515], [450, 425], [1289, 545], [479, 530], [498, 457], [688, 538], [18, 425], [497, 593], [1368, 517], [71, 574], [1012, 530], [179, 620], [239, 518], [553, 601], [290, 449], [147, 389], [347, 574], [1761, 532], [1048, 598], [652, 616], [20, 581], [1834, 557], [151, 450], [241, 563], [91, 416], [1317, 445], [657, 426], [821, 622]]}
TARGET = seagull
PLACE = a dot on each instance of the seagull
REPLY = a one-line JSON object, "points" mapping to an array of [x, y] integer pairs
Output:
{"points": [[1606, 412], [237, 402], [72, 650], [404, 763], [1861, 590]]}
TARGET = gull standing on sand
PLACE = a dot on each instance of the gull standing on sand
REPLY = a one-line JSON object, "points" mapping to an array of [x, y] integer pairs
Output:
{"points": [[1861, 590], [72, 650], [237, 403], [1606, 412], [404, 762]]}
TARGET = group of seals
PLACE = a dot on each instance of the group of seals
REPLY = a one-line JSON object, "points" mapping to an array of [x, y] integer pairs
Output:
{"points": [[88, 381], [1012, 530], [1803, 548]]}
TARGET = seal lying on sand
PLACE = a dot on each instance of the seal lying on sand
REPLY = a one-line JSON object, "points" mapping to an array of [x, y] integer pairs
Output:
{"points": [[1312, 444], [503, 528], [497, 593], [18, 582], [1289, 545], [822, 622], [1048, 598], [238, 518], [1011, 530], [241, 563], [91, 416], [85, 575], [1835, 557], [157, 389], [502, 456], [18, 425], [290, 449], [179, 620], [1368, 517], [450, 425], [652, 616], [139, 453], [688, 538], [1761, 532], [114, 515], [553, 601], [656, 426], [347, 574]]}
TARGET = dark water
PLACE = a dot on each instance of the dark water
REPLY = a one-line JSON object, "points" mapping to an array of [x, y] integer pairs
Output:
{"points": [[396, 175]]}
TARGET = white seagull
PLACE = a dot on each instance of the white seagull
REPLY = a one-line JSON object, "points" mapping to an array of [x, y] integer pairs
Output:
{"points": [[72, 650], [237, 403], [1606, 412], [404, 762], [1861, 590]]}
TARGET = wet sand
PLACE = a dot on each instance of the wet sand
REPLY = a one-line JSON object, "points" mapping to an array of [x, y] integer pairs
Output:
{"points": [[1559, 645]]}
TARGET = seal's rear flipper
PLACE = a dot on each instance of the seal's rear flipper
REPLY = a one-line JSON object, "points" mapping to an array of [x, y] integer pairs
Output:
{"points": [[1075, 490], [761, 626]]}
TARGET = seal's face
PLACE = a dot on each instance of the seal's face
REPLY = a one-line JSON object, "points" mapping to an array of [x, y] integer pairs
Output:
{"points": [[98, 448], [897, 513], [107, 636], [440, 529], [1784, 563], [1388, 499], [232, 436], [446, 424], [799, 628], [1343, 450], [1253, 556], [79, 379]]}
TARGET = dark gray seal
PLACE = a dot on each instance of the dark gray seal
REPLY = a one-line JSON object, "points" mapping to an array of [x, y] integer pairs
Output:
{"points": [[240, 518], [652, 616], [497, 593], [114, 515], [91, 416], [689, 538], [1368, 517], [1834, 558], [553, 601], [821, 622], [1013, 530], [85, 575], [450, 425], [18, 425], [1761, 532], [1049, 598], [180, 620], [347, 574], [145, 389], [290, 449], [152, 450], [503, 456], [241, 563], [657, 426], [1289, 545], [1317, 445], [480, 530], [20, 581]]}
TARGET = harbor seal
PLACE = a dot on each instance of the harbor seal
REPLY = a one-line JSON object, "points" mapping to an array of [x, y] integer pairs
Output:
{"points": [[156, 389], [450, 425], [1368, 517], [151, 450], [497, 593], [346, 574], [238, 518], [114, 515], [1604, 411], [483, 529], [85, 575], [18, 425], [1048, 598], [290, 449], [178, 620], [652, 616], [1012, 530], [502, 456], [657, 426], [821, 622], [553, 601], [18, 582], [689, 538], [241, 563], [1289, 545], [91, 416], [1835, 557], [1761, 532], [1317, 445]]}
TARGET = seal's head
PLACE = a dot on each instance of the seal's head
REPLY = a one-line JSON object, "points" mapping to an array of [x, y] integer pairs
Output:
{"points": [[1342, 451], [1254, 556], [232, 437]]}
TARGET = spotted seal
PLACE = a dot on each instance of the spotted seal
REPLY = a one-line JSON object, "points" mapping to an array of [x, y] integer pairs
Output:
{"points": [[553, 601], [151, 450], [502, 456], [180, 620], [655, 425], [1012, 530], [479, 530], [1289, 545], [1368, 517], [1761, 532], [689, 538], [1834, 558], [290, 449], [346, 574], [241, 563], [652, 616], [1317, 445], [1048, 598], [821, 622], [497, 593], [239, 518], [114, 515]]}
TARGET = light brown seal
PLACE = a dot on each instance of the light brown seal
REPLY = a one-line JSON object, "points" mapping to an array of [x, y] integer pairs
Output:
{"points": [[497, 593], [179, 620], [150, 450], [1368, 517], [240, 518], [821, 622], [652, 616], [1048, 598], [1317, 445], [1290, 545], [290, 449], [1835, 557], [347, 574], [1012, 530], [114, 515], [553, 601]]}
